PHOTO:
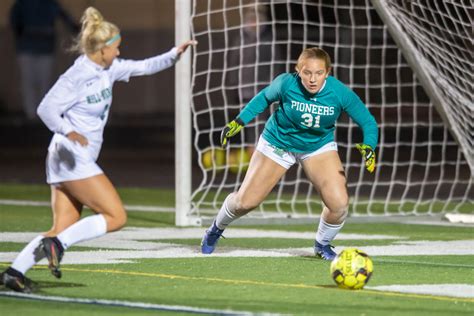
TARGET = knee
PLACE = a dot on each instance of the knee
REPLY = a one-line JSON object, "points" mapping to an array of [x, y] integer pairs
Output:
{"points": [[339, 207], [116, 221], [343, 205], [121, 219], [341, 210]]}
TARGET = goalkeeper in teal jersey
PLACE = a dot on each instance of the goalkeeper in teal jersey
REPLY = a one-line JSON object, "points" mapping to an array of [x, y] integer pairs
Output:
{"points": [[300, 130]]}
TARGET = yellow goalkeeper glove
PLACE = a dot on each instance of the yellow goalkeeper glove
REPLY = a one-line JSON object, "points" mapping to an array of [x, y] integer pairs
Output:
{"points": [[230, 130], [369, 155]]}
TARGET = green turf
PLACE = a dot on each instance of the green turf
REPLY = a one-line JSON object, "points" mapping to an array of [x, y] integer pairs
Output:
{"points": [[38, 218], [299, 285], [133, 196], [296, 285]]}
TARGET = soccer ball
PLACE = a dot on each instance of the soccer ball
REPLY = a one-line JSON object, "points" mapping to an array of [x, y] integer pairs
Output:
{"points": [[351, 269]]}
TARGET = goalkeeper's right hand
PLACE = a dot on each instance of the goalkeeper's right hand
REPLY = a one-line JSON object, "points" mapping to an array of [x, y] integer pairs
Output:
{"points": [[231, 129]]}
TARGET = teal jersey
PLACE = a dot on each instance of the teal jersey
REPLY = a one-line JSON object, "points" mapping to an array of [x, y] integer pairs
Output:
{"points": [[305, 122]]}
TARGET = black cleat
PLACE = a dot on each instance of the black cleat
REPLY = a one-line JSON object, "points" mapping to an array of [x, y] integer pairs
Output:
{"points": [[16, 281], [54, 251]]}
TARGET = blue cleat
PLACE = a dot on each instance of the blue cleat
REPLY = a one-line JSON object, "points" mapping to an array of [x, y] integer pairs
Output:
{"points": [[209, 241], [324, 251]]}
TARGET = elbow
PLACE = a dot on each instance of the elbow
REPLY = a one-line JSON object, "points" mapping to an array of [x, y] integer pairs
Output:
{"points": [[43, 112], [40, 111]]}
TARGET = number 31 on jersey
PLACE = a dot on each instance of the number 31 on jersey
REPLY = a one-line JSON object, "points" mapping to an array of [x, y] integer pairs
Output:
{"points": [[310, 120]]}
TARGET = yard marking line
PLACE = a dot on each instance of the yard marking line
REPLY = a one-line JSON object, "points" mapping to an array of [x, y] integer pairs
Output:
{"points": [[250, 282], [116, 303]]}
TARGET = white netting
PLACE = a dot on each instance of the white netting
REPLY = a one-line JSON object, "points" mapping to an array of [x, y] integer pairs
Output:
{"points": [[420, 167], [441, 35]]}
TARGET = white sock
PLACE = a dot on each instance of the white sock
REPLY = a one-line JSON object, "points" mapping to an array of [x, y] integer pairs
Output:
{"points": [[327, 232], [28, 256], [87, 228], [225, 216]]}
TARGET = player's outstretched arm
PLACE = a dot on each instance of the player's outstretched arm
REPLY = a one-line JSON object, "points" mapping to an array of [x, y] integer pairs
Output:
{"points": [[230, 130], [369, 156], [123, 69]]}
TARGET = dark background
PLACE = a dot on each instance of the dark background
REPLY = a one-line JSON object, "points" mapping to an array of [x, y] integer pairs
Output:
{"points": [[139, 138], [138, 145]]}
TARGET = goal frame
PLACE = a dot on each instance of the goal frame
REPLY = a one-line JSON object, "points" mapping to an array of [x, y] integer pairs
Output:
{"points": [[183, 122], [415, 61], [184, 212]]}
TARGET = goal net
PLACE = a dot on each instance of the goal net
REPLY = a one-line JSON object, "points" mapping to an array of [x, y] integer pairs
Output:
{"points": [[421, 165]]}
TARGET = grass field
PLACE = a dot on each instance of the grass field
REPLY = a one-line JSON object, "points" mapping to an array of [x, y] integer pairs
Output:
{"points": [[151, 267]]}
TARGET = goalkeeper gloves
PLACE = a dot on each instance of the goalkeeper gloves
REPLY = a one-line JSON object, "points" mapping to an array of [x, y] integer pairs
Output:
{"points": [[231, 129], [369, 155]]}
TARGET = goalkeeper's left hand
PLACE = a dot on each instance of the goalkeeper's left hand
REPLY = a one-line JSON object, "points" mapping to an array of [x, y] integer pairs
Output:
{"points": [[231, 129], [369, 155]]}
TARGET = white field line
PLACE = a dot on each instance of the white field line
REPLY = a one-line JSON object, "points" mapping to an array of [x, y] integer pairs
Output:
{"points": [[173, 251], [131, 244], [450, 290], [140, 305], [142, 208], [120, 238]]}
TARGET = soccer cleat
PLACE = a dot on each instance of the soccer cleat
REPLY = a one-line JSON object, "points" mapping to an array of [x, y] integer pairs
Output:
{"points": [[54, 251], [16, 281], [209, 241], [324, 251]]}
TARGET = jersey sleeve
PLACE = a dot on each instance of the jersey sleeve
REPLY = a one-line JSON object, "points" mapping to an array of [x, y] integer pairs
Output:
{"points": [[356, 109], [263, 99], [123, 69], [58, 100]]}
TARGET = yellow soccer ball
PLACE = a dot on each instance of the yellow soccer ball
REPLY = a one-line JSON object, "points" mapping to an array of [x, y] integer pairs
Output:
{"points": [[351, 269], [238, 160], [213, 158]]}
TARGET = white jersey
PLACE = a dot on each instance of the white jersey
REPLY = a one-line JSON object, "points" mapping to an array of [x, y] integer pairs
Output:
{"points": [[81, 98]]}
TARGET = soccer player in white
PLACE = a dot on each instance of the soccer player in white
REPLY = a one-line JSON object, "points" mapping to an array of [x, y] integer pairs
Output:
{"points": [[76, 110]]}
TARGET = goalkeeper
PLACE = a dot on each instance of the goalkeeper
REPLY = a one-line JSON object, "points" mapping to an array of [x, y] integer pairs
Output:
{"points": [[300, 130]]}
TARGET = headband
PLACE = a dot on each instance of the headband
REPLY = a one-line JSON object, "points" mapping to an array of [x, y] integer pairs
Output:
{"points": [[113, 39]]}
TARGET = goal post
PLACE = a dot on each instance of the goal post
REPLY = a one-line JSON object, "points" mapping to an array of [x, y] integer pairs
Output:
{"points": [[423, 165], [183, 152]]}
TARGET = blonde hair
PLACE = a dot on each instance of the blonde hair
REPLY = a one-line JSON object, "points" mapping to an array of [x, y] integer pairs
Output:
{"points": [[316, 53], [95, 32]]}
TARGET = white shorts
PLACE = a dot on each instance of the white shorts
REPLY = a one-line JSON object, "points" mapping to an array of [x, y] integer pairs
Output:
{"points": [[286, 159], [69, 161]]}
